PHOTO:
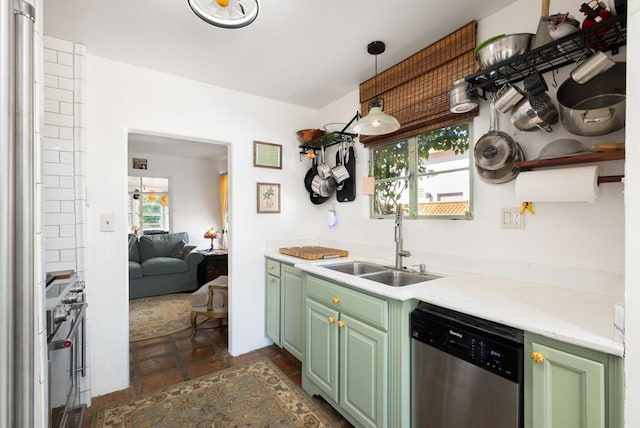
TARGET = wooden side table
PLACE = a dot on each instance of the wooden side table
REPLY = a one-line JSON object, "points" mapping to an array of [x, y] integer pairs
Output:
{"points": [[213, 265]]}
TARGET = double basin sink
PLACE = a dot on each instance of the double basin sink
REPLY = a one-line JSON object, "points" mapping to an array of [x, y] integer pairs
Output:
{"points": [[382, 274]]}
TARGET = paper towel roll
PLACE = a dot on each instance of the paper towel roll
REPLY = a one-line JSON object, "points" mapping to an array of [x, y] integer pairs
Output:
{"points": [[579, 184]]}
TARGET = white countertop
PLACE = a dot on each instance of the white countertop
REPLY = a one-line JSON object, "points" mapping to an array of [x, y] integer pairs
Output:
{"points": [[577, 317]]}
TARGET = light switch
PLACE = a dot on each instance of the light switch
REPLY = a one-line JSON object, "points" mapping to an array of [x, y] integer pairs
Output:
{"points": [[106, 223]]}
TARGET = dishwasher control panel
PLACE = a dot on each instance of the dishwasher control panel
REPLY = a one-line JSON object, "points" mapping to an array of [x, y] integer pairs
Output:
{"points": [[494, 347]]}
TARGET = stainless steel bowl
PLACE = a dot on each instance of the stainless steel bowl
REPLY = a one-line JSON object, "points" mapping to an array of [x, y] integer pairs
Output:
{"points": [[503, 48]]}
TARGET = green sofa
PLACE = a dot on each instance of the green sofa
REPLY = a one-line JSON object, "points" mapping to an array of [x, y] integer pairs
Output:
{"points": [[154, 271]]}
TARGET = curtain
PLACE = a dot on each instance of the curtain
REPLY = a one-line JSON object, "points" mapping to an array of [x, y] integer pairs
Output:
{"points": [[416, 90], [224, 187]]}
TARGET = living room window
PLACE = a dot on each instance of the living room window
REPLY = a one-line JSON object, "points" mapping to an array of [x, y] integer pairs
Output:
{"points": [[148, 205], [428, 173]]}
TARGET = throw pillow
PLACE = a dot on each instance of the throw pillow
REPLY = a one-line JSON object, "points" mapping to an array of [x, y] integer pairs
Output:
{"points": [[181, 250]]}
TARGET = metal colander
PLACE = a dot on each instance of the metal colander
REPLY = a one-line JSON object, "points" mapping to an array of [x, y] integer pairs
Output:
{"points": [[533, 112]]}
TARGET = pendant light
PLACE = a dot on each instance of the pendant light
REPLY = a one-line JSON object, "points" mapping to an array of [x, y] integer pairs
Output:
{"points": [[377, 122], [226, 13]]}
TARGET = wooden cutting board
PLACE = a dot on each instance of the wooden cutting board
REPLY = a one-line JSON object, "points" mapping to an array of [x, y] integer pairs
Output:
{"points": [[313, 253]]}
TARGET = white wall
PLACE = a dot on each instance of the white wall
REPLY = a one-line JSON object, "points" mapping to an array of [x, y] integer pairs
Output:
{"points": [[122, 98], [194, 192], [632, 194], [578, 245]]}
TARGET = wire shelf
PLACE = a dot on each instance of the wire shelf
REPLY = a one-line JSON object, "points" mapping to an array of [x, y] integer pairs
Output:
{"points": [[608, 35]]}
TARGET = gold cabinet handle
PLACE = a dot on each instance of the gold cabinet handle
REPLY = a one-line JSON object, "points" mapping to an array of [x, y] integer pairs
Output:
{"points": [[272, 280], [336, 300], [340, 323], [331, 320], [537, 357], [272, 267]]}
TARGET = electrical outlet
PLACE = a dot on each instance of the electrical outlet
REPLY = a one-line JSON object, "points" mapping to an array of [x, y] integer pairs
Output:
{"points": [[510, 218]]}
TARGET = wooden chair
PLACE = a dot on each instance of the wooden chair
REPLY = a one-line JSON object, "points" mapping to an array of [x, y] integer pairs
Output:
{"points": [[210, 301]]}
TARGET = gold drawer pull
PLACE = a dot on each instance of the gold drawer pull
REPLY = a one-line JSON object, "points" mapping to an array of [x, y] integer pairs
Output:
{"points": [[272, 267], [331, 320], [537, 357], [340, 323], [336, 300], [272, 280]]}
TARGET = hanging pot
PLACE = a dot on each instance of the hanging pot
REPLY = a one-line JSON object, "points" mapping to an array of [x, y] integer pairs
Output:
{"points": [[495, 149], [311, 172], [596, 107], [534, 112], [323, 184], [504, 174]]}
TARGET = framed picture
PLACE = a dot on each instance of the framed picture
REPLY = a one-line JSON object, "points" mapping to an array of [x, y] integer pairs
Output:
{"points": [[139, 163], [267, 155], [268, 195]]}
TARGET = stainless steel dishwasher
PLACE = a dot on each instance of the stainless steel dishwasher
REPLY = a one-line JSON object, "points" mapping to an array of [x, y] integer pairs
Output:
{"points": [[466, 371]]}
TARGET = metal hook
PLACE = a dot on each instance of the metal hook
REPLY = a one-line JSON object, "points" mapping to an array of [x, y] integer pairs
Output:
{"points": [[553, 76]]}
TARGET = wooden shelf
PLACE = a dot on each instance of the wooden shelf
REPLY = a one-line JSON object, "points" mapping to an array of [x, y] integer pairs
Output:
{"points": [[570, 160]]}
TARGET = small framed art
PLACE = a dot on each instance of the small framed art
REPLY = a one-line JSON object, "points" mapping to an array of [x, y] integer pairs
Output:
{"points": [[268, 195], [267, 155], [139, 163]]}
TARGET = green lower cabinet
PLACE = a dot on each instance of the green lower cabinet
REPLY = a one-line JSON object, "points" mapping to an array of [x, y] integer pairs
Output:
{"points": [[363, 370], [321, 363], [291, 308], [569, 386], [273, 308], [284, 323], [356, 353]]}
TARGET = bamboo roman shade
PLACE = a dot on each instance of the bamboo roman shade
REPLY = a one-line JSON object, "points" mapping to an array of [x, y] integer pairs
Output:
{"points": [[416, 90]]}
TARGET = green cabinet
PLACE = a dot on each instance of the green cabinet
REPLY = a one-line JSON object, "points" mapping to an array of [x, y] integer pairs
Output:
{"points": [[363, 369], [272, 286], [569, 386], [346, 356], [291, 309], [284, 306]]}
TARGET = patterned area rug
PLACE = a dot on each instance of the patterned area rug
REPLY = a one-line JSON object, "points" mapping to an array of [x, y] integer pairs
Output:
{"points": [[157, 316], [256, 394]]}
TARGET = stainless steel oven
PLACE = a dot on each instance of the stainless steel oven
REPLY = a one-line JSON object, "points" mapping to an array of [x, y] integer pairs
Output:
{"points": [[65, 314], [466, 371]]}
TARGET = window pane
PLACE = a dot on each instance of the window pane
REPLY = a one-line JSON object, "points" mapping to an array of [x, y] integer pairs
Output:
{"points": [[391, 161], [445, 194], [387, 194], [428, 173], [148, 203]]}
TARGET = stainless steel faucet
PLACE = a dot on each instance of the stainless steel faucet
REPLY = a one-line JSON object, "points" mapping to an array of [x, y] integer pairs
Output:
{"points": [[400, 253]]}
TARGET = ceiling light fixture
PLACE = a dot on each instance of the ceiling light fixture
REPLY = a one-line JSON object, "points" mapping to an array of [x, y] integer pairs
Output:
{"points": [[226, 13], [376, 122]]}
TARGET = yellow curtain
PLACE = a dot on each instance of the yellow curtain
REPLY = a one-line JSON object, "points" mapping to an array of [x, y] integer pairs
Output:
{"points": [[224, 186]]}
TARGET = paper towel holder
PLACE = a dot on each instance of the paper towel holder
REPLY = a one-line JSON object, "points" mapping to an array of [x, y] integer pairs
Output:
{"points": [[610, 179]]}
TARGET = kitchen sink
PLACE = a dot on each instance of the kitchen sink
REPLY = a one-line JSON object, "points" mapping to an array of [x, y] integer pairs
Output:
{"points": [[397, 278], [356, 268], [381, 274]]}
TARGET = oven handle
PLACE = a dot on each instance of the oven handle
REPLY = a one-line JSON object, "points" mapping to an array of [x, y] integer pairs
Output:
{"points": [[68, 341]]}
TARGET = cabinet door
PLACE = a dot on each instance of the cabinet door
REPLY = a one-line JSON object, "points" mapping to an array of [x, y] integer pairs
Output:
{"points": [[273, 309], [291, 309], [363, 371], [322, 348], [566, 390]]}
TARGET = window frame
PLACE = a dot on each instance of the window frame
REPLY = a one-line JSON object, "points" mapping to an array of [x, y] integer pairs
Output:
{"points": [[413, 178], [137, 215]]}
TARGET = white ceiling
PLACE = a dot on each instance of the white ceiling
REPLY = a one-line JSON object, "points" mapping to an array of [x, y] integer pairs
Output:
{"points": [[304, 52]]}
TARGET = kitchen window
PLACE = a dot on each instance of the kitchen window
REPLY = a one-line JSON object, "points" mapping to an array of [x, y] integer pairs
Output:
{"points": [[429, 174], [148, 205]]}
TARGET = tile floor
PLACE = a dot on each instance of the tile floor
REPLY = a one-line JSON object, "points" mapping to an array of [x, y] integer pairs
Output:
{"points": [[164, 361]]}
